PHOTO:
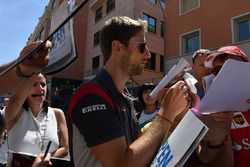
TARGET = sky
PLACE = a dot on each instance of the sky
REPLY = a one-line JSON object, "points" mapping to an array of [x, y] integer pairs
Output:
{"points": [[18, 19]]}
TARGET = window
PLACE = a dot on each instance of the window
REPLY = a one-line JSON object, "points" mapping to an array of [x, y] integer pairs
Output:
{"points": [[98, 14], [244, 30], [110, 5], [151, 23], [190, 42], [161, 63], [54, 4], [151, 62], [153, 1], [241, 28], [95, 64], [163, 4], [96, 38], [162, 28], [42, 34], [188, 5]]}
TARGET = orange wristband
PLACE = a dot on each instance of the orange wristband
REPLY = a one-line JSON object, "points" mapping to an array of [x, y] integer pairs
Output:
{"points": [[164, 117]]}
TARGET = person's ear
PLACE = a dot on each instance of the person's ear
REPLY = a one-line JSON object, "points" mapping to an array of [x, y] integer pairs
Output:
{"points": [[192, 66], [116, 46]]}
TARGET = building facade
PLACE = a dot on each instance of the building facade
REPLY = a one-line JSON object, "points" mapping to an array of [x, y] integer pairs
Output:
{"points": [[101, 10], [87, 25], [63, 84], [195, 24]]}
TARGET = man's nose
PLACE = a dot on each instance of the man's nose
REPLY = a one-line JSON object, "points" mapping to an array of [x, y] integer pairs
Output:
{"points": [[147, 54]]}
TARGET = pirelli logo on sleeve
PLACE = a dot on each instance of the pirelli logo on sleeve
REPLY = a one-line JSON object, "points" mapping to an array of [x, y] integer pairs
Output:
{"points": [[97, 107]]}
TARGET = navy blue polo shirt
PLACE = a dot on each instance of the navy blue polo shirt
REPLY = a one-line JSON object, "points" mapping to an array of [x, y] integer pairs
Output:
{"points": [[101, 113]]}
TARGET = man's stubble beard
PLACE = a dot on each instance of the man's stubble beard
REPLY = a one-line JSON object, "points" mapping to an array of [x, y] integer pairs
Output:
{"points": [[131, 69], [134, 69]]}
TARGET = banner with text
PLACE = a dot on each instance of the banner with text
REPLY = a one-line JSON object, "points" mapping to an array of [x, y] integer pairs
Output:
{"points": [[63, 52]]}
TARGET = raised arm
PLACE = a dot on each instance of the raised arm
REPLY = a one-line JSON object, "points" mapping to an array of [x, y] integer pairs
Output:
{"points": [[142, 151], [14, 78], [14, 110], [63, 149]]}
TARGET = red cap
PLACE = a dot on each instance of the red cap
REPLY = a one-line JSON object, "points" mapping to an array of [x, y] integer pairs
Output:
{"points": [[231, 50]]}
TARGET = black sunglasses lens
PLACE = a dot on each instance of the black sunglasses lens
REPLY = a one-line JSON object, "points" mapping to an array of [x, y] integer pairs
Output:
{"points": [[142, 47]]}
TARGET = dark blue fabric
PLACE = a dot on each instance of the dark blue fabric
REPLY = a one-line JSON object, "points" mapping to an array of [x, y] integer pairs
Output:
{"points": [[95, 117]]}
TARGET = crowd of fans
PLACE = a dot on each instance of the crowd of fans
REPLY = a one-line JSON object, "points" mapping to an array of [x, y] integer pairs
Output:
{"points": [[107, 129]]}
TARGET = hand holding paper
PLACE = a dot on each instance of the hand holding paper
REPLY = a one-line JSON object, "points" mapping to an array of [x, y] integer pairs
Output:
{"points": [[229, 90], [181, 66], [181, 143]]}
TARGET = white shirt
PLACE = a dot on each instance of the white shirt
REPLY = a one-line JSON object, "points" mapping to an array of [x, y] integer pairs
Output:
{"points": [[31, 135]]}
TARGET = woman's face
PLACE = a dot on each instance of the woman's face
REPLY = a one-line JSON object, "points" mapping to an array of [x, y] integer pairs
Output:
{"points": [[147, 99], [39, 89]]}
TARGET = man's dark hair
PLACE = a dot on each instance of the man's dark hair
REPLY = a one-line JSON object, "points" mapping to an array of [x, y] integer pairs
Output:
{"points": [[200, 52], [121, 29]]}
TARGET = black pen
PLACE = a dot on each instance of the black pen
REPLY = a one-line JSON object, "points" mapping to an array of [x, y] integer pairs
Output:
{"points": [[47, 149]]}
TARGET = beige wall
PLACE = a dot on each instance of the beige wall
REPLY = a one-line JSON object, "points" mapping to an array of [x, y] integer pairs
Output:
{"points": [[213, 18]]}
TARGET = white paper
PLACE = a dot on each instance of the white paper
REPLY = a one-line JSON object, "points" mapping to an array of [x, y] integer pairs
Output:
{"points": [[181, 143], [173, 72], [230, 89], [190, 80], [207, 81]]}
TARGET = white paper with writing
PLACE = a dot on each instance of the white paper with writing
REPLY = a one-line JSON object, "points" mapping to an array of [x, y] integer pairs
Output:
{"points": [[181, 143]]}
